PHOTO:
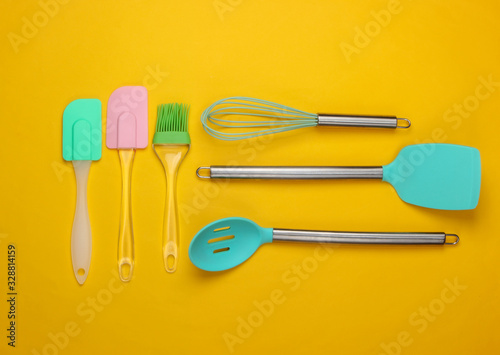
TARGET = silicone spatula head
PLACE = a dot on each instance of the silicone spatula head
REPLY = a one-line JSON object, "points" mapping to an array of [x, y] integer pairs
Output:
{"points": [[127, 118], [82, 130], [228, 242], [440, 176]]}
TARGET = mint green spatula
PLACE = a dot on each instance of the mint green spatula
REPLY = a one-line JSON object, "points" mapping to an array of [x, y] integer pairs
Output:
{"points": [[82, 141], [440, 176]]}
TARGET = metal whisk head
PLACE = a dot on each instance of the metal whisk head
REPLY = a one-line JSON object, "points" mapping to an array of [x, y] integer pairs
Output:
{"points": [[239, 117]]}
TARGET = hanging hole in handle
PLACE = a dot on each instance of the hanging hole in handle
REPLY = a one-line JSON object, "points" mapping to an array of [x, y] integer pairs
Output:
{"points": [[457, 239], [408, 123], [81, 275], [203, 168], [125, 271], [170, 263]]}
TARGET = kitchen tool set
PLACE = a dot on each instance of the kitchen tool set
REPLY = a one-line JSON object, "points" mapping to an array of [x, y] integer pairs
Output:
{"points": [[438, 176], [126, 131]]}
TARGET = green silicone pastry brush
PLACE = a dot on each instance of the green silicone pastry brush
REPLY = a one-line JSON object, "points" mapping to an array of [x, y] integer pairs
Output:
{"points": [[171, 144]]}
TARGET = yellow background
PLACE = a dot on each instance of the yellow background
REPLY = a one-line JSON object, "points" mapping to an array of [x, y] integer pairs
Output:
{"points": [[429, 57]]}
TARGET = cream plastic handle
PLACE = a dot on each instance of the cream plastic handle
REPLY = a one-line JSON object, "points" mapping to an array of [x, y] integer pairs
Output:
{"points": [[81, 236], [126, 236]]}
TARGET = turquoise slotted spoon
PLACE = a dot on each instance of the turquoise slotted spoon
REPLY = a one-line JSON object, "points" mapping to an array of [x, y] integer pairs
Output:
{"points": [[228, 242]]}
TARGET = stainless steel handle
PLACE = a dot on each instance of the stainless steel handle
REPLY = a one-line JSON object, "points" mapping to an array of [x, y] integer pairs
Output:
{"points": [[362, 121], [292, 172], [307, 236]]}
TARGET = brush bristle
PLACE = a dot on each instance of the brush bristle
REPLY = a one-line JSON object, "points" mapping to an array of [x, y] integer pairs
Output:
{"points": [[172, 118]]}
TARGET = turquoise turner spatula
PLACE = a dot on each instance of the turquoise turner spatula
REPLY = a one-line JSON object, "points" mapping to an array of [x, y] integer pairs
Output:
{"points": [[82, 141], [228, 242], [440, 176]]}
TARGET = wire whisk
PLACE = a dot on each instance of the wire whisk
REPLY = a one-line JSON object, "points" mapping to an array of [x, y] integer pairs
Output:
{"points": [[239, 117]]}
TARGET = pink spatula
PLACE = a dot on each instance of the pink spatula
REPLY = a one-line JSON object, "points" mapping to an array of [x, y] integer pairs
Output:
{"points": [[127, 130]]}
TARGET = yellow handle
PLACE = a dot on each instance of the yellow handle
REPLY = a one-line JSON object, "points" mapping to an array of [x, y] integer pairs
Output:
{"points": [[170, 225], [126, 236], [171, 156]]}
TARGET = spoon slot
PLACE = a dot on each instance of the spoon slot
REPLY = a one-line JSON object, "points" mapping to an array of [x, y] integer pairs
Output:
{"points": [[221, 250], [220, 239], [221, 229]]}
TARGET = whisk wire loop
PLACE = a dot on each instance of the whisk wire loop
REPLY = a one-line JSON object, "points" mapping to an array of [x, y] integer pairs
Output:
{"points": [[240, 125]]}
